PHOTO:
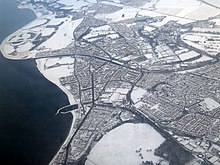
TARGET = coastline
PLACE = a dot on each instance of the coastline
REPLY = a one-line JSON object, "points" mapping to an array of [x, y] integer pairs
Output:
{"points": [[40, 68], [71, 99], [63, 146], [2, 44]]}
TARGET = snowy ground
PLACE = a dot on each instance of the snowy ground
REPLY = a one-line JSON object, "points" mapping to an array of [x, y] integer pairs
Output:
{"points": [[105, 30], [63, 36], [76, 5], [214, 2], [137, 94], [125, 145], [112, 3], [202, 59], [210, 103], [37, 22], [123, 14], [61, 39], [188, 55], [202, 41], [53, 74]]}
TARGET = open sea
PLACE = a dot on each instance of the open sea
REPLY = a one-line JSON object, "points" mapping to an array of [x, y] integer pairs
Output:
{"points": [[30, 133]]}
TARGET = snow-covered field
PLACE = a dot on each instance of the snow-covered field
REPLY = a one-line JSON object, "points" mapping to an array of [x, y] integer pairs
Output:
{"points": [[148, 13], [201, 12], [217, 22], [210, 104], [188, 55], [37, 22], [63, 60], [137, 94], [63, 37], [53, 75], [73, 2], [177, 3], [123, 14], [76, 4], [148, 28], [99, 31], [125, 145], [185, 10], [112, 3], [25, 47], [210, 30], [56, 21], [202, 59], [213, 2], [204, 41]]}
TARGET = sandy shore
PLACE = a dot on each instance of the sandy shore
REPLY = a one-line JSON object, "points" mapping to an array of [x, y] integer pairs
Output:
{"points": [[3, 45], [40, 66], [62, 149]]}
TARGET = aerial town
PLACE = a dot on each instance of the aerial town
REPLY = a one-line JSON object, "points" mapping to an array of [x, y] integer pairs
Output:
{"points": [[124, 61]]}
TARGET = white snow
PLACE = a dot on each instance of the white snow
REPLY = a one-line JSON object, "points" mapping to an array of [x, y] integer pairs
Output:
{"points": [[56, 21], [101, 30], [139, 104], [113, 36], [57, 72], [201, 41], [63, 60], [24, 47], [119, 146], [185, 11], [114, 97], [148, 28], [217, 21], [7, 48], [177, 3], [201, 12], [128, 12], [211, 30], [165, 20], [213, 2], [149, 4], [76, 4], [91, 1], [148, 13], [137, 94], [188, 55], [36, 22], [122, 91], [36, 29], [190, 9], [69, 2], [116, 1], [202, 59], [53, 75], [210, 103], [194, 37], [185, 21], [112, 3], [47, 31], [63, 36]]}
